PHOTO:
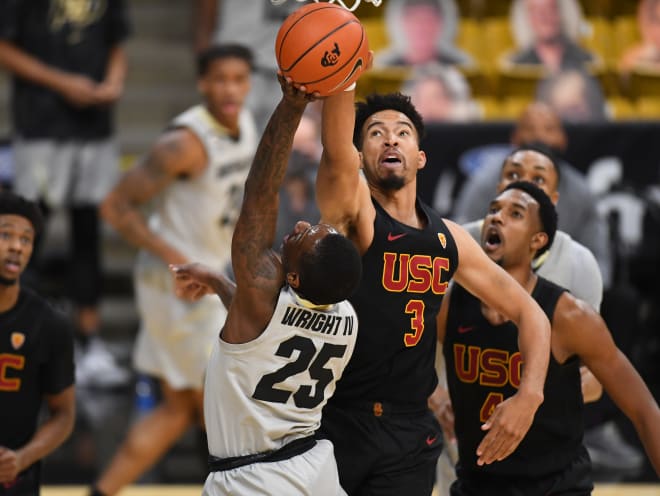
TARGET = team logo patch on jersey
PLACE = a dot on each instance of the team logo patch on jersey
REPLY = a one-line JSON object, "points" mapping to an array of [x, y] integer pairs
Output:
{"points": [[443, 240], [17, 339]]}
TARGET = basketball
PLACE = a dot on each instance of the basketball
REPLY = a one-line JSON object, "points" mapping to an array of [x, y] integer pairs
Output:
{"points": [[322, 46]]}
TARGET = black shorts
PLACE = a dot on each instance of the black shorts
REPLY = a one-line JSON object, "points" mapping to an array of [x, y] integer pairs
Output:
{"points": [[382, 450], [574, 480]]}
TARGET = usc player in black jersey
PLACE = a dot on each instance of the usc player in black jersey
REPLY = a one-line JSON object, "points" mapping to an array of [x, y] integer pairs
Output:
{"points": [[484, 365], [36, 358], [386, 439]]}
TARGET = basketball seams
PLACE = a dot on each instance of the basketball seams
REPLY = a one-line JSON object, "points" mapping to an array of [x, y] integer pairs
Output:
{"points": [[319, 66], [339, 68], [320, 8], [312, 47]]}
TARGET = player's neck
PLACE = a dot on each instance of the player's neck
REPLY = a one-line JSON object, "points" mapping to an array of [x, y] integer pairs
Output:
{"points": [[401, 205], [524, 275], [229, 123], [306, 303], [9, 296]]}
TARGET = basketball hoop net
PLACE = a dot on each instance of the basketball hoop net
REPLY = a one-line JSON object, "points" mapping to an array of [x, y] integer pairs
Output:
{"points": [[356, 3]]}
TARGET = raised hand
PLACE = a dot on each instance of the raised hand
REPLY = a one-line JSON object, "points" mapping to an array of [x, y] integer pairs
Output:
{"points": [[506, 427], [192, 281]]}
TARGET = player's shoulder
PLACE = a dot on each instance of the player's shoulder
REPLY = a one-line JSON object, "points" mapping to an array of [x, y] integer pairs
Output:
{"points": [[41, 309], [571, 310]]}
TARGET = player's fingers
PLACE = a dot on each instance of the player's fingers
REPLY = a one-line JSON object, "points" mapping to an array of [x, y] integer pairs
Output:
{"points": [[370, 60], [488, 448]]}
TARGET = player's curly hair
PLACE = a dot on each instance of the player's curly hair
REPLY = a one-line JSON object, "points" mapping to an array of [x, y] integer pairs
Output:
{"points": [[330, 273], [13, 204], [377, 102], [547, 211]]}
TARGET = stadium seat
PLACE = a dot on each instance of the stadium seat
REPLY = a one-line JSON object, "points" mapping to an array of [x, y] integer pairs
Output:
{"points": [[495, 40], [518, 81], [645, 83], [381, 80], [376, 33], [598, 38], [601, 8], [512, 107], [490, 108], [625, 33], [648, 107], [621, 109]]}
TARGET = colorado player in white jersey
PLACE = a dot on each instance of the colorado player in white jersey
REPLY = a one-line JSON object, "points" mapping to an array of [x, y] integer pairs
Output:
{"points": [[193, 180], [288, 336]]}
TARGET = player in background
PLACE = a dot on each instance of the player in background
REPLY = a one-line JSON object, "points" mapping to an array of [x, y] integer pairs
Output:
{"points": [[36, 358], [483, 364]]}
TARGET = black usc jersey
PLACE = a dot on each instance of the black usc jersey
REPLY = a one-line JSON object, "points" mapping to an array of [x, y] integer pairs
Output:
{"points": [[36, 358], [484, 367], [405, 275]]}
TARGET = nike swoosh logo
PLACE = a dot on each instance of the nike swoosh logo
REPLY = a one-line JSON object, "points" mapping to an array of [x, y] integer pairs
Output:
{"points": [[430, 440], [464, 329], [394, 237], [356, 67]]}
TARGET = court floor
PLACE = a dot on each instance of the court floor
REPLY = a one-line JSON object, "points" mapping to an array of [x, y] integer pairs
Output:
{"points": [[601, 490]]}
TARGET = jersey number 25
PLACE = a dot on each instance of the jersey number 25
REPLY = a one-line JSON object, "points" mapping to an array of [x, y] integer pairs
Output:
{"points": [[303, 397]]}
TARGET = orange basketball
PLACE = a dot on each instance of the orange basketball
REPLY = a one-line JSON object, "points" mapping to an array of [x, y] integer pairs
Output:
{"points": [[322, 46]]}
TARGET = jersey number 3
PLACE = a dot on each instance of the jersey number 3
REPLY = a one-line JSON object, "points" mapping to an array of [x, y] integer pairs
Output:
{"points": [[303, 397]]}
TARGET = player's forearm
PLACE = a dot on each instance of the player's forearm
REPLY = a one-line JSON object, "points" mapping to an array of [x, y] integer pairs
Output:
{"points": [[49, 436], [338, 120], [648, 430], [205, 19], [117, 66], [129, 222], [224, 288], [272, 155], [534, 345], [29, 68]]}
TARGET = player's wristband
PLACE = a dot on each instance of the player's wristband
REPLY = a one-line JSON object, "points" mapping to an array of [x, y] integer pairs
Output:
{"points": [[351, 87]]}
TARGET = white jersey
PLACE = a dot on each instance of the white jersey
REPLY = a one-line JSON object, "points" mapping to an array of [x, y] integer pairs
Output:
{"points": [[270, 391], [567, 263], [197, 215]]}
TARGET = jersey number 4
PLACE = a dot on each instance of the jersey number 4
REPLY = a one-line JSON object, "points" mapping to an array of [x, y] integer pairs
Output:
{"points": [[303, 397]]}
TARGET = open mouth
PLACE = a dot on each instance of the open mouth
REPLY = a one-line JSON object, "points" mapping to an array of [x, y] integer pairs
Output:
{"points": [[391, 160], [492, 239], [12, 266]]}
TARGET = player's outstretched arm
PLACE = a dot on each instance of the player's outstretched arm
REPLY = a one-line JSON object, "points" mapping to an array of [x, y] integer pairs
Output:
{"points": [[176, 153], [194, 280], [512, 418], [257, 268], [579, 330], [342, 194], [49, 436]]}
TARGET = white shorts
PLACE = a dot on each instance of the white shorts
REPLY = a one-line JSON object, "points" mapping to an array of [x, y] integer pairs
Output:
{"points": [[312, 473], [175, 336], [65, 173]]}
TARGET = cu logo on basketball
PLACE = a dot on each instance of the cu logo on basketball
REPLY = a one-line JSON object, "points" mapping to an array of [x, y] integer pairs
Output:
{"points": [[331, 57]]}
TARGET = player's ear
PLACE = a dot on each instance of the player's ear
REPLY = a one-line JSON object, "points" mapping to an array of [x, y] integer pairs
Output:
{"points": [[539, 240], [293, 280], [421, 159]]}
